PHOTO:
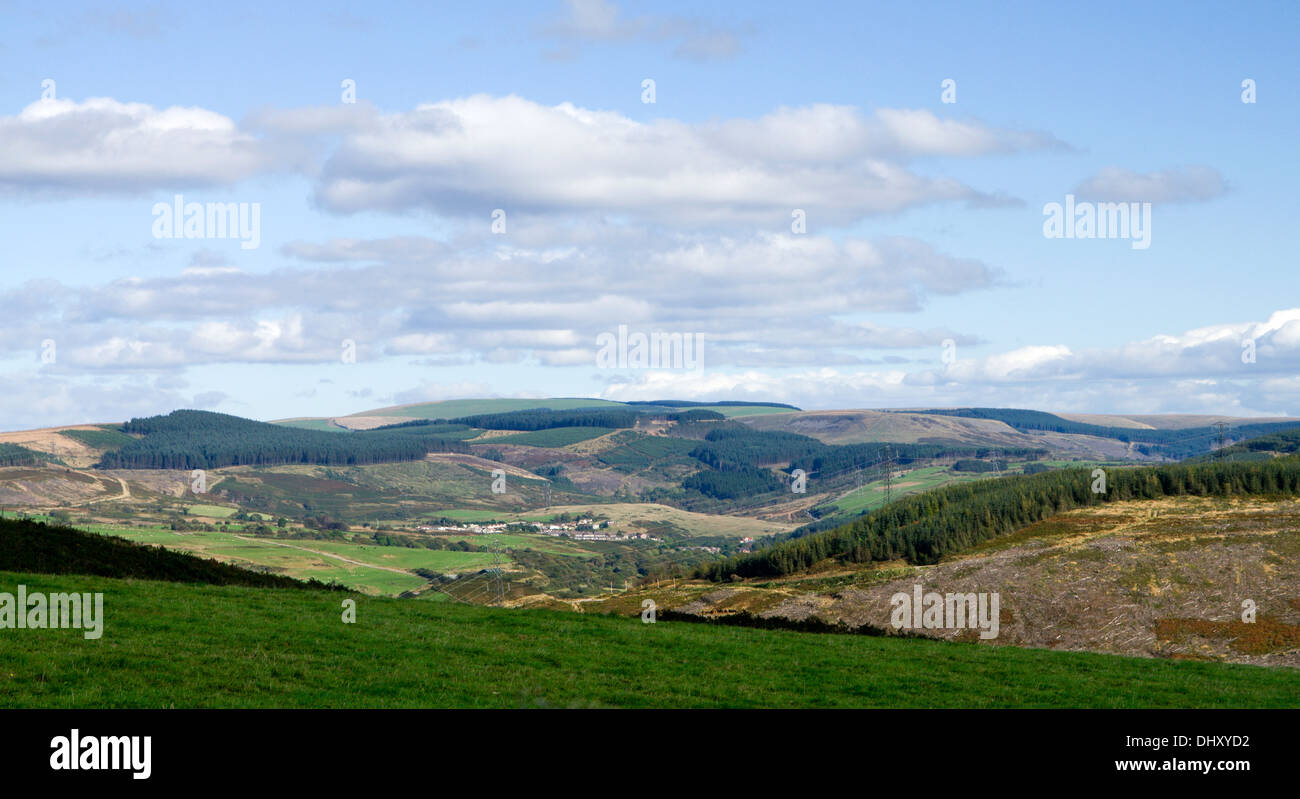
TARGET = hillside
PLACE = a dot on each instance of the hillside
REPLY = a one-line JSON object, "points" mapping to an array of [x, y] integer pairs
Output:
{"points": [[450, 409], [1162, 578], [35, 547], [208, 646], [1170, 442], [1065, 435], [674, 485], [203, 440], [924, 528], [1158, 565], [65, 445], [1286, 442]]}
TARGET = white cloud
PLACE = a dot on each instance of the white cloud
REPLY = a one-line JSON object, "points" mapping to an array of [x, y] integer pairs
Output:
{"points": [[1178, 185], [102, 145], [771, 299], [464, 156], [1198, 371], [600, 21], [36, 399]]}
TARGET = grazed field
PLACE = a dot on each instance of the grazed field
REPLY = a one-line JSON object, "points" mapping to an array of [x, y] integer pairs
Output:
{"points": [[166, 644], [633, 516], [646, 515], [872, 495], [368, 568]]}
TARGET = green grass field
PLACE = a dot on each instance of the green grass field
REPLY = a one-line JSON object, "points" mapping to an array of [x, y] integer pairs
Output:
{"points": [[872, 496], [212, 511], [314, 424], [303, 559], [539, 543], [742, 410], [168, 645], [102, 438]]}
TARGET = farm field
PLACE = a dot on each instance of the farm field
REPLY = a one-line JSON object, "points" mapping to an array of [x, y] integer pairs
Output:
{"points": [[212, 511], [205, 647], [872, 495], [377, 569], [632, 515], [540, 543]]}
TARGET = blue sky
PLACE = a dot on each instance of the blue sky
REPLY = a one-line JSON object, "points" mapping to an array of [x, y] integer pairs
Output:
{"points": [[924, 218]]}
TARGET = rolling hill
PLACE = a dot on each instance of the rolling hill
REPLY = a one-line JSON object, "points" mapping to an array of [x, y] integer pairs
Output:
{"points": [[1156, 567], [39, 548], [230, 647], [678, 484]]}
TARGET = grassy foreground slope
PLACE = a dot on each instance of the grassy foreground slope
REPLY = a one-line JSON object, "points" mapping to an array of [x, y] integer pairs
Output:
{"points": [[177, 645]]}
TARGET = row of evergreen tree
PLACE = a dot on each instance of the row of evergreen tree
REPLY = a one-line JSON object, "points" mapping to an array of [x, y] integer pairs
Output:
{"points": [[734, 484], [547, 419], [738, 446], [923, 528], [188, 439], [15, 455]]}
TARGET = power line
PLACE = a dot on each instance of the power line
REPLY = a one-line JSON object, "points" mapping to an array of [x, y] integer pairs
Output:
{"points": [[996, 457], [1220, 439], [498, 571], [887, 465]]}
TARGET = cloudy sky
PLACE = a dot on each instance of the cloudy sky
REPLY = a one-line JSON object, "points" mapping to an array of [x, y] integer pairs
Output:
{"points": [[846, 202]]}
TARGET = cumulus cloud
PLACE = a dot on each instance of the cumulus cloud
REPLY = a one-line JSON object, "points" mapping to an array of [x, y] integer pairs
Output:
{"points": [[465, 156], [1215, 351], [1178, 185], [103, 145], [435, 392], [766, 298], [1197, 371], [37, 398], [601, 21]]}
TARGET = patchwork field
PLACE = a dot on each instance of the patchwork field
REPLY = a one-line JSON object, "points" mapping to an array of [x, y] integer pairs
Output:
{"points": [[367, 568]]}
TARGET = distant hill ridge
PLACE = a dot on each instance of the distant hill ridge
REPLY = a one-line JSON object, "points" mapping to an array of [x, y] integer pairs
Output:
{"points": [[189, 439], [1286, 442], [1173, 443]]}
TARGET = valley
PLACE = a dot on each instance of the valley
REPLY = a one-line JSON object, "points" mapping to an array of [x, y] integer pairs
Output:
{"points": [[595, 508]]}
